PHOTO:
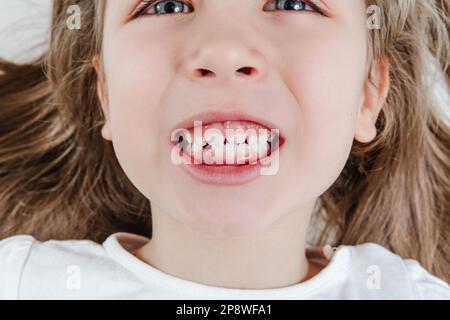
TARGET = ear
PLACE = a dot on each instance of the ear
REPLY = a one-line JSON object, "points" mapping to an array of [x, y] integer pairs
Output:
{"points": [[103, 98], [376, 90]]}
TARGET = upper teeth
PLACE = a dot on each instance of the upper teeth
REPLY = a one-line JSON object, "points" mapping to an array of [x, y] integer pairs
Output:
{"points": [[237, 139]]}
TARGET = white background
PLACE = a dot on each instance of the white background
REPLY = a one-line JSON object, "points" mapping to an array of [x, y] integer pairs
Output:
{"points": [[24, 28]]}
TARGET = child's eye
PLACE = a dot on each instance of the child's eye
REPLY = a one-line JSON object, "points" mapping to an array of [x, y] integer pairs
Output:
{"points": [[292, 5], [155, 7]]}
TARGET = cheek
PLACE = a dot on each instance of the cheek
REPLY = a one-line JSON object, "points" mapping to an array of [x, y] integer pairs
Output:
{"points": [[325, 73], [136, 78]]}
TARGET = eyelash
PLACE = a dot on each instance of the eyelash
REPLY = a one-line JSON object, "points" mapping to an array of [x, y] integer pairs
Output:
{"points": [[146, 4]]}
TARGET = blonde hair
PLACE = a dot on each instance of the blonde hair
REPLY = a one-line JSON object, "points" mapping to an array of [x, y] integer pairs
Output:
{"points": [[61, 180]]}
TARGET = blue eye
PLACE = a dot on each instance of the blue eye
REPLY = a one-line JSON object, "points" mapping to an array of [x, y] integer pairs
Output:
{"points": [[152, 7], [292, 5], [167, 7]]}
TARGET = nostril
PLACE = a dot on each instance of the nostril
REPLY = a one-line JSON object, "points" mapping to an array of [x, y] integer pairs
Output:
{"points": [[205, 72], [246, 70]]}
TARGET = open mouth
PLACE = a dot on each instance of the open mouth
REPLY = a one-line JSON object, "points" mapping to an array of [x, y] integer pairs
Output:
{"points": [[233, 143], [226, 148]]}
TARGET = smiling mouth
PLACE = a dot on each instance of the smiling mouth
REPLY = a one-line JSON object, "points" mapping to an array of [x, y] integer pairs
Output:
{"points": [[227, 149], [227, 143]]}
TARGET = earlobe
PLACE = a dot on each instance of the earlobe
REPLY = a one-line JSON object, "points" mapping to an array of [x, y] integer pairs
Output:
{"points": [[106, 132], [375, 93], [365, 130]]}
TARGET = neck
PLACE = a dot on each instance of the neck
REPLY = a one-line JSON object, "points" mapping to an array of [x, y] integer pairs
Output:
{"points": [[271, 259]]}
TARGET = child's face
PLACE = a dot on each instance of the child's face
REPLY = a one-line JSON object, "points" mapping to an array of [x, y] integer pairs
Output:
{"points": [[309, 82]]}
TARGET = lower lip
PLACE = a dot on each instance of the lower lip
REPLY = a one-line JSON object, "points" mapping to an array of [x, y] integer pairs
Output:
{"points": [[223, 175]]}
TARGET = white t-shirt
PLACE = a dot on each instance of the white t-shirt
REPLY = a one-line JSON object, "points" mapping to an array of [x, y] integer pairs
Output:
{"points": [[83, 269]]}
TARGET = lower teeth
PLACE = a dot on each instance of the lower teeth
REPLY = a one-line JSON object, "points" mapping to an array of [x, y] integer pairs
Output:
{"points": [[232, 154]]}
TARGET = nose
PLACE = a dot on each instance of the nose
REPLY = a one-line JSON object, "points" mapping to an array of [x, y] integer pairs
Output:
{"points": [[225, 60]]}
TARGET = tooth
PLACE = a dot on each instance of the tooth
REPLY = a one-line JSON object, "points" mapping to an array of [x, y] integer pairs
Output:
{"points": [[253, 149], [242, 153], [230, 153], [263, 148], [207, 155], [229, 134], [231, 139], [200, 141], [196, 151], [186, 147], [213, 154], [263, 135], [197, 146], [275, 140], [252, 136], [252, 139]]}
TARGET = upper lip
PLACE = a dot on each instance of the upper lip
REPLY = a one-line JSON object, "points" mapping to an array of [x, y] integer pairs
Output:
{"points": [[209, 117]]}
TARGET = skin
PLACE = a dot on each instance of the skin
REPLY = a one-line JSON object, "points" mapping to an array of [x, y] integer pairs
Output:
{"points": [[310, 78]]}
